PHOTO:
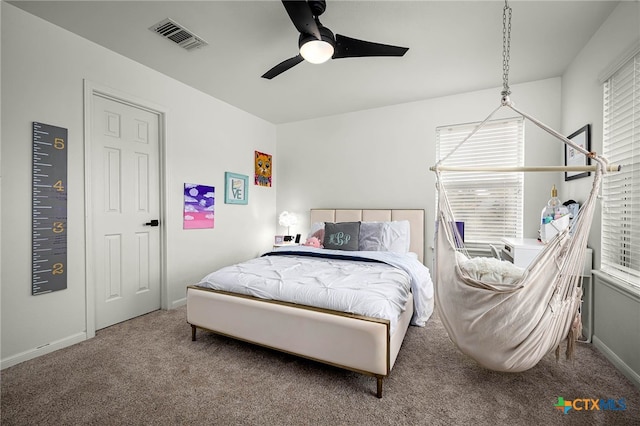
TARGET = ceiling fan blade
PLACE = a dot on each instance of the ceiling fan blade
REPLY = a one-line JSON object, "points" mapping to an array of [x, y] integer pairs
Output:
{"points": [[302, 17], [347, 47], [282, 67]]}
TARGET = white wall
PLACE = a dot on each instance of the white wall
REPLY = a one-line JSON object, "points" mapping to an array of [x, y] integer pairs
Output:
{"points": [[380, 158], [613, 306], [582, 92], [43, 68]]}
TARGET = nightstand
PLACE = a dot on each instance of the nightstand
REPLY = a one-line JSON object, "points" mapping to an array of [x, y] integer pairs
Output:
{"points": [[285, 245]]}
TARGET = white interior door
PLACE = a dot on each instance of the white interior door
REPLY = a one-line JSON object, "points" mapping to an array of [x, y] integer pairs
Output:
{"points": [[125, 196]]}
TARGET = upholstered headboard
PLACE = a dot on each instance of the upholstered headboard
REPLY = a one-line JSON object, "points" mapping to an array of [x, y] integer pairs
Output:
{"points": [[414, 216]]}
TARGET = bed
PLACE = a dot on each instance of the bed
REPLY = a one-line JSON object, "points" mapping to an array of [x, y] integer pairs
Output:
{"points": [[364, 343]]}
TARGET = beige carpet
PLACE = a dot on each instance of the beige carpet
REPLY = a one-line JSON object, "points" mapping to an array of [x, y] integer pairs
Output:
{"points": [[147, 371]]}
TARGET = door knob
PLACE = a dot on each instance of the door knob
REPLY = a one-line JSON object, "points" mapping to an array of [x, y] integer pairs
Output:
{"points": [[154, 222]]}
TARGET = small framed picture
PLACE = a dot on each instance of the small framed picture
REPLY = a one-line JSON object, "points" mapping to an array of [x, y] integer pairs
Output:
{"points": [[236, 188], [199, 206], [572, 157], [279, 239]]}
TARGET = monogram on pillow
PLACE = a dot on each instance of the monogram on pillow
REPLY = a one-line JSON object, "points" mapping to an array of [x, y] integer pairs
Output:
{"points": [[342, 235], [339, 238]]}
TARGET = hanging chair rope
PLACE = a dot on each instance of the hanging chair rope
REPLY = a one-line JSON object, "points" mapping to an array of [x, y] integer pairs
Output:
{"points": [[506, 102], [469, 136]]}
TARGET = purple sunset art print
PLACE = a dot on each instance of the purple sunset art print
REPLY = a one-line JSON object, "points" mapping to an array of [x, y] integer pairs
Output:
{"points": [[199, 203]]}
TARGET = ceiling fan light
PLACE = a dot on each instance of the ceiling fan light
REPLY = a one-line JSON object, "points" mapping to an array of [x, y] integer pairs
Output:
{"points": [[316, 51]]}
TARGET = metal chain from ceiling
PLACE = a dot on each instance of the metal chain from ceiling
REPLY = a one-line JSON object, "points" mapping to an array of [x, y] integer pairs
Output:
{"points": [[506, 46]]}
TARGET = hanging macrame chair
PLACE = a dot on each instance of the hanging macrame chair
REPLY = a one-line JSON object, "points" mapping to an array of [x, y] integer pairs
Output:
{"points": [[510, 327]]}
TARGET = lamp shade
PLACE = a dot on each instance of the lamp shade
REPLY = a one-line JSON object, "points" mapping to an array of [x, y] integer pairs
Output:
{"points": [[287, 219]]}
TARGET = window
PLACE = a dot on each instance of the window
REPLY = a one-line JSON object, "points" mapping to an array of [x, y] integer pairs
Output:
{"points": [[621, 190], [490, 204]]}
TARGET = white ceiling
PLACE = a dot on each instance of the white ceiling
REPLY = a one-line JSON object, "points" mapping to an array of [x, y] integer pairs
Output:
{"points": [[454, 47]]}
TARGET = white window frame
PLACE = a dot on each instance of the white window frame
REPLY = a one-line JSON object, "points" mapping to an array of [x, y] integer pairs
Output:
{"points": [[620, 231], [490, 203]]}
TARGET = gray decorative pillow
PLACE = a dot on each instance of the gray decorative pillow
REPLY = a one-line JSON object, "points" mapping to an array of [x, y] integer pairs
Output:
{"points": [[371, 236], [341, 235], [385, 236]]}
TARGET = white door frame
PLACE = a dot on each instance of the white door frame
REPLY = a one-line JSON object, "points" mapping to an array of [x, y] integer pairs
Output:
{"points": [[91, 89]]}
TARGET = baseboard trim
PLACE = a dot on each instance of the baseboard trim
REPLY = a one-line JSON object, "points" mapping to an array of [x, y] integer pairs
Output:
{"points": [[177, 303], [42, 350], [617, 362]]}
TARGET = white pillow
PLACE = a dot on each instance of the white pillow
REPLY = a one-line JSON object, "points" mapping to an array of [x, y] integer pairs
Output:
{"points": [[385, 236], [315, 227], [396, 236], [490, 270]]}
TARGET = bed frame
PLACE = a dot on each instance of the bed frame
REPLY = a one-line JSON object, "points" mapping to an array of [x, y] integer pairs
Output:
{"points": [[358, 343]]}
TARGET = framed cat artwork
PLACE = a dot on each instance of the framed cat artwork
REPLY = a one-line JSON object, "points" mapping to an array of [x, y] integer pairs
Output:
{"points": [[263, 167]]}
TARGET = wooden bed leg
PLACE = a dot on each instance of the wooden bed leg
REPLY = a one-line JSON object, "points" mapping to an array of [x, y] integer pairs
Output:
{"points": [[193, 333], [379, 394]]}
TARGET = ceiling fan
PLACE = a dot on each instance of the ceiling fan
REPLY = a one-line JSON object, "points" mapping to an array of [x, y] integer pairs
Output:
{"points": [[318, 44]]}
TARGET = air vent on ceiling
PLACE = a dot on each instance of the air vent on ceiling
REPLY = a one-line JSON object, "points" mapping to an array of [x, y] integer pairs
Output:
{"points": [[178, 34]]}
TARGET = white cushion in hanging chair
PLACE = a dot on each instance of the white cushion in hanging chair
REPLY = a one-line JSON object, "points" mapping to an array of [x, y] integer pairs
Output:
{"points": [[490, 270]]}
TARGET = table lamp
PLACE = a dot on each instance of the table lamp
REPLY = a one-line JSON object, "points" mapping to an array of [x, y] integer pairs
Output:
{"points": [[287, 219]]}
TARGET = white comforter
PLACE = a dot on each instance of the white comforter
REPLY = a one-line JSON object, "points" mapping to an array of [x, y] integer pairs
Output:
{"points": [[378, 290]]}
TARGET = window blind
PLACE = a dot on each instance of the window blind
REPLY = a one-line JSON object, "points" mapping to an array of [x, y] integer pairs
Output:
{"points": [[489, 204], [621, 190]]}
